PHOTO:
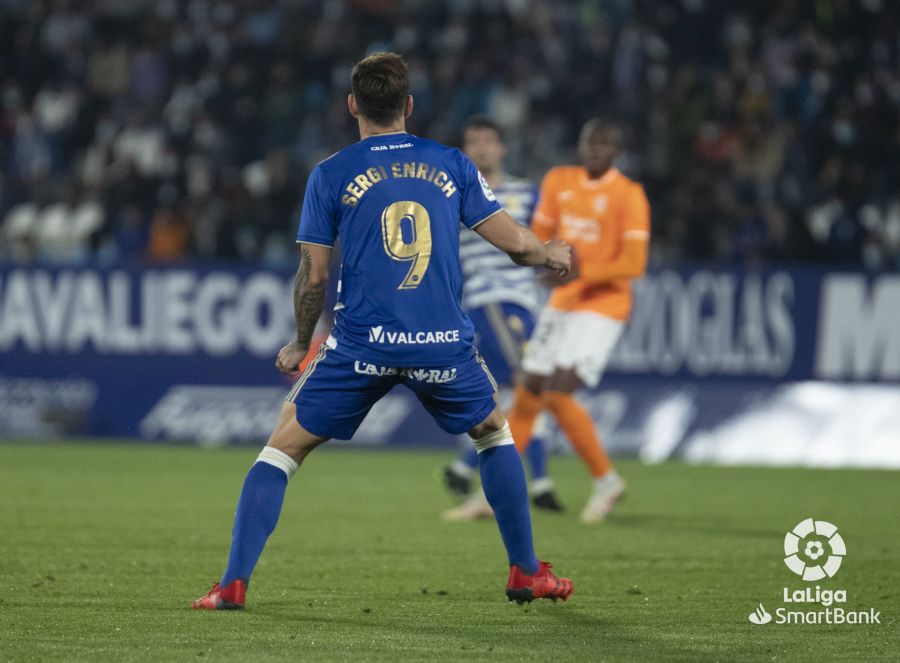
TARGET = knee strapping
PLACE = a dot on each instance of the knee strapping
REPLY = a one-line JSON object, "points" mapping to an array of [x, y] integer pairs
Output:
{"points": [[279, 459], [496, 439]]}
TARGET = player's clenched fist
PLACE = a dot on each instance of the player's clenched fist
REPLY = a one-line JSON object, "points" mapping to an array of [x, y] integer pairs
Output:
{"points": [[289, 358], [559, 257]]}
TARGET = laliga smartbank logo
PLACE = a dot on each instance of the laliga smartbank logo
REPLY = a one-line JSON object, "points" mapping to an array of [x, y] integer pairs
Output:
{"points": [[814, 550], [805, 549], [760, 616]]}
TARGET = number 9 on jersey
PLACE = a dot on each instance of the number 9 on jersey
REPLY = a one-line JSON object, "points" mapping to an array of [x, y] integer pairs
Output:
{"points": [[406, 231]]}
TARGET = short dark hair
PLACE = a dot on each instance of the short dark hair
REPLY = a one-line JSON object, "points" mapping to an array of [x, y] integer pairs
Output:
{"points": [[380, 83], [600, 124], [482, 122]]}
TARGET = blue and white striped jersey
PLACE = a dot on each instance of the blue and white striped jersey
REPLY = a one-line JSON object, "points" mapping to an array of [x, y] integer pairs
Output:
{"points": [[489, 276]]}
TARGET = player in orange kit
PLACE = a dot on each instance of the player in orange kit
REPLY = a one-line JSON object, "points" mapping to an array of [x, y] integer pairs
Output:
{"points": [[605, 217]]}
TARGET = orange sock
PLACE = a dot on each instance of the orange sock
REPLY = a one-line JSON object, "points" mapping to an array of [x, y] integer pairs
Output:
{"points": [[526, 407], [576, 423]]}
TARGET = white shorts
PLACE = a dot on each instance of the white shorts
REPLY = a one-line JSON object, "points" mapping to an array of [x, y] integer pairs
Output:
{"points": [[582, 340]]}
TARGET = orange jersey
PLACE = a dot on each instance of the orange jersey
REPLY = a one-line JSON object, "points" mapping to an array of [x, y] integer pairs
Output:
{"points": [[607, 223]]}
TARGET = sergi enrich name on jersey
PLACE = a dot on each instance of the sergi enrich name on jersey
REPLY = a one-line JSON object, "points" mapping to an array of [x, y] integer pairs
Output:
{"points": [[379, 335], [400, 170]]}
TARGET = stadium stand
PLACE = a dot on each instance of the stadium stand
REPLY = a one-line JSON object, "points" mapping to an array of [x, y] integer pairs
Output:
{"points": [[156, 131]]}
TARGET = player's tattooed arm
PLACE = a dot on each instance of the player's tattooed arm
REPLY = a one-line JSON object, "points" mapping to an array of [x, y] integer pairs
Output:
{"points": [[310, 283], [309, 298]]}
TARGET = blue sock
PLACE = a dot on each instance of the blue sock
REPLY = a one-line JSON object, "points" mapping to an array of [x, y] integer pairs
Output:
{"points": [[470, 457], [537, 458], [503, 481], [257, 513]]}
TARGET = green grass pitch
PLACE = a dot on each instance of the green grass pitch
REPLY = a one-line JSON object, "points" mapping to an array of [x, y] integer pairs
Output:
{"points": [[103, 546]]}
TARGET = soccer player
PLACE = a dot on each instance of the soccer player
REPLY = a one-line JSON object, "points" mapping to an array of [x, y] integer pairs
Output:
{"points": [[395, 202], [502, 300], [606, 218]]}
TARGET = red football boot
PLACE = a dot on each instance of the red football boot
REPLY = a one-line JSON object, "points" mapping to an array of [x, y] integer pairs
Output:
{"points": [[230, 597], [522, 587]]}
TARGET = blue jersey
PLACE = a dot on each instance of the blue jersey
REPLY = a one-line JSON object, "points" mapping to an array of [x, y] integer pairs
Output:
{"points": [[395, 202], [490, 276]]}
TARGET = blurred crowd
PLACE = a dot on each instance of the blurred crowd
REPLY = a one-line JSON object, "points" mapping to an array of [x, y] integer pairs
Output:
{"points": [[160, 130]]}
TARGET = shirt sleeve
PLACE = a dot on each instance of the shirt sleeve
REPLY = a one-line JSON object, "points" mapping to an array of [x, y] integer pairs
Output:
{"points": [[478, 201], [637, 215], [318, 218], [546, 212], [631, 260]]}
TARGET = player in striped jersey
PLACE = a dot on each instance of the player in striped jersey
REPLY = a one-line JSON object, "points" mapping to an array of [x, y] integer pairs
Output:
{"points": [[502, 299]]}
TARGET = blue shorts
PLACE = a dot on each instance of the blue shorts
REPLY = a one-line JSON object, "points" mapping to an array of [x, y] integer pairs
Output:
{"points": [[335, 392], [501, 331]]}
